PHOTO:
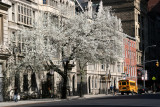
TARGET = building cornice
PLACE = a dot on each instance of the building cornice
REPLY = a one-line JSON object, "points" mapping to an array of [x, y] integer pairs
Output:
{"points": [[4, 6]]}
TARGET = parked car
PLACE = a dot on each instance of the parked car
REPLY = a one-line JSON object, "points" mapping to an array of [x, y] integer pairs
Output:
{"points": [[142, 90]]}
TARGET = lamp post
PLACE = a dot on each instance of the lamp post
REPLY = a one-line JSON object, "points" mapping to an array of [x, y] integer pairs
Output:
{"points": [[52, 79], [144, 72]]}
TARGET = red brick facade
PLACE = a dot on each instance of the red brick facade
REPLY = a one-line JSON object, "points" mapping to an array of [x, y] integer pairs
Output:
{"points": [[130, 65]]}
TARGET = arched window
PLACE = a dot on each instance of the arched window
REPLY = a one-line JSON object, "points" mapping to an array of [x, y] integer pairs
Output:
{"points": [[25, 82], [33, 82]]}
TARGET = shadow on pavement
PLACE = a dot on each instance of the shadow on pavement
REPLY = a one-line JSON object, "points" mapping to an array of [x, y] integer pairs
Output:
{"points": [[139, 96], [88, 106]]}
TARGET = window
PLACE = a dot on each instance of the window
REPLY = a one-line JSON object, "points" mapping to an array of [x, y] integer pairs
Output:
{"points": [[139, 18], [44, 1], [1, 29], [13, 36], [25, 82], [24, 14], [123, 83], [96, 83], [16, 83], [92, 83], [126, 53], [139, 59], [102, 66], [33, 82], [13, 12], [133, 84], [139, 32]]}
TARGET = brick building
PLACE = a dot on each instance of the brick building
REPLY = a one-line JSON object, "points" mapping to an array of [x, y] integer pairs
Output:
{"points": [[130, 64]]}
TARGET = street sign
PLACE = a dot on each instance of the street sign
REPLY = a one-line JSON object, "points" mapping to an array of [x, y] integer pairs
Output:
{"points": [[153, 78]]}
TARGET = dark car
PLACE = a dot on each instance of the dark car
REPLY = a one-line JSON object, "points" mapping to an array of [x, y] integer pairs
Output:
{"points": [[142, 90]]}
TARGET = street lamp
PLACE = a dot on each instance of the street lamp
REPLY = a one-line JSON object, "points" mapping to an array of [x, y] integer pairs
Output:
{"points": [[52, 79], [144, 63]]}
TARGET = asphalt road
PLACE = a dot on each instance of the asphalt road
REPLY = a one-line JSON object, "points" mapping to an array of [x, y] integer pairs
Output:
{"points": [[144, 100]]}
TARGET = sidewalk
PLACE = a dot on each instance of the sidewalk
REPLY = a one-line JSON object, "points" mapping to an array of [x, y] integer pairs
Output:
{"points": [[34, 101]]}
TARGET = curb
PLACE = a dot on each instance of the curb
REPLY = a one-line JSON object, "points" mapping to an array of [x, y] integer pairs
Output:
{"points": [[35, 101]]}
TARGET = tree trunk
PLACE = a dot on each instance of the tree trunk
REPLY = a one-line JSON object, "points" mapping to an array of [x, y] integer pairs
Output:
{"points": [[81, 87], [64, 88]]}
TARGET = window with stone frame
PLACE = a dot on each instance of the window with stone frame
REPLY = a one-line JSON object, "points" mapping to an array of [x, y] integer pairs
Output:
{"points": [[33, 82], [13, 12], [24, 14], [17, 81], [25, 82], [1, 29]]}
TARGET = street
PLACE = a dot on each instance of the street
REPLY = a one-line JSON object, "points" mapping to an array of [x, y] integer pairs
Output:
{"points": [[144, 100]]}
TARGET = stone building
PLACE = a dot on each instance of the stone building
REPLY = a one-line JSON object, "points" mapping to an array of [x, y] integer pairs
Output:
{"points": [[24, 13], [133, 14], [4, 53], [99, 77]]}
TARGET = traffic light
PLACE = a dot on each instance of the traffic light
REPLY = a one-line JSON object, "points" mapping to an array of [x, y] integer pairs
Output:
{"points": [[157, 64]]}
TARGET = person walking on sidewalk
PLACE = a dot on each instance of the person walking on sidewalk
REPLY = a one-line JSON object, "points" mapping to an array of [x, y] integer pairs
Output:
{"points": [[15, 94]]}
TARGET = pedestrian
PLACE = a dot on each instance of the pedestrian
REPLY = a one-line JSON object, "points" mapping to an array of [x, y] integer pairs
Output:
{"points": [[16, 94], [111, 88]]}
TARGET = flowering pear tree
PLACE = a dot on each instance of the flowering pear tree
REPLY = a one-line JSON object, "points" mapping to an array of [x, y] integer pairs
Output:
{"points": [[80, 38], [30, 48], [103, 40]]}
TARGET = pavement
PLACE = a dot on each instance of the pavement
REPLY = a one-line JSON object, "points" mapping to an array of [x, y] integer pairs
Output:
{"points": [[34, 101]]}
